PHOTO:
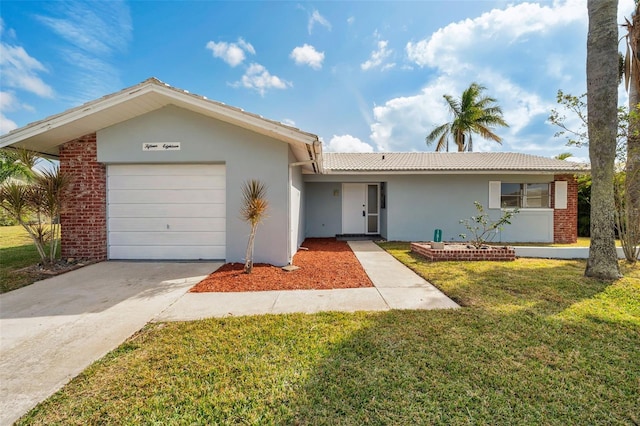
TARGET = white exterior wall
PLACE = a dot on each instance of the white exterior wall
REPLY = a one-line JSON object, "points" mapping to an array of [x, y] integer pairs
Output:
{"points": [[247, 155], [296, 204], [416, 205]]}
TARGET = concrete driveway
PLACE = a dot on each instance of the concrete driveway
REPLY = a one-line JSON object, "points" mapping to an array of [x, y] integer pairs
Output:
{"points": [[52, 330]]}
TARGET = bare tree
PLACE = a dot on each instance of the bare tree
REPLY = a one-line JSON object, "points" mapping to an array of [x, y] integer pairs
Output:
{"points": [[602, 98]]}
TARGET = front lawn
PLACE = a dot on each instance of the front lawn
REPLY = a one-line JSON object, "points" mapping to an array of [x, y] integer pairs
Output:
{"points": [[17, 251], [537, 343]]}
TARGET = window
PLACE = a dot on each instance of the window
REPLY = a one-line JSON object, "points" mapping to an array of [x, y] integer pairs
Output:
{"points": [[524, 195]]}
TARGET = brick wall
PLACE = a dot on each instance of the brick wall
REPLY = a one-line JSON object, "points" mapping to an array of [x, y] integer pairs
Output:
{"points": [[84, 224], [565, 221], [435, 255]]}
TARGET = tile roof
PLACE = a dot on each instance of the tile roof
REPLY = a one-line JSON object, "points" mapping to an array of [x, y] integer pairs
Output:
{"points": [[446, 162]]}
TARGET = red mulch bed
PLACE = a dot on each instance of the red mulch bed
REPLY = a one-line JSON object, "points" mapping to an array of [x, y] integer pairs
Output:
{"points": [[327, 264]]}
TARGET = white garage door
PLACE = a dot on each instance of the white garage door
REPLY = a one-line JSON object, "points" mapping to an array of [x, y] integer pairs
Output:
{"points": [[166, 211]]}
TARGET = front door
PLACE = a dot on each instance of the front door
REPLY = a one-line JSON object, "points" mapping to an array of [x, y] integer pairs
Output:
{"points": [[360, 208]]}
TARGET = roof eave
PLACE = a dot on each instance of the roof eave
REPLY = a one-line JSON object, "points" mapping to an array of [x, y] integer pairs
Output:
{"points": [[452, 172], [193, 102]]}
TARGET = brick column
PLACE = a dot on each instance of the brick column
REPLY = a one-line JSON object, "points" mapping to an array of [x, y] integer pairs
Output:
{"points": [[84, 223], [565, 221]]}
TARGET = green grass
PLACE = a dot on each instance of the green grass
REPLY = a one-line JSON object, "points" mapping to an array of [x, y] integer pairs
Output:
{"points": [[16, 251], [537, 343]]}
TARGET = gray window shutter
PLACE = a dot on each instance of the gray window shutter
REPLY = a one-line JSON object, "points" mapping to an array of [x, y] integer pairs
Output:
{"points": [[494, 194]]}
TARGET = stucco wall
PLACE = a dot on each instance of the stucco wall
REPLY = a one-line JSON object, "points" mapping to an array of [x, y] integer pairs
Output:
{"points": [[323, 206], [297, 201], [247, 155], [416, 205]]}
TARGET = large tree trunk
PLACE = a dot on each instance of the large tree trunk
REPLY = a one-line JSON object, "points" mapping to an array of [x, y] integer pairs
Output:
{"points": [[602, 101], [633, 137], [631, 196]]}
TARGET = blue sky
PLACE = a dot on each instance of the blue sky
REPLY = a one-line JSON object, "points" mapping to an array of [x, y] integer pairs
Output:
{"points": [[364, 76]]}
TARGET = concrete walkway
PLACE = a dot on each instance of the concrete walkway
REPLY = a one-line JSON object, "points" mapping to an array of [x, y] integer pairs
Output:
{"points": [[396, 287], [53, 329]]}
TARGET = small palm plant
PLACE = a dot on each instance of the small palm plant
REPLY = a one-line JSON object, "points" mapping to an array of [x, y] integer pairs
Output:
{"points": [[51, 192], [18, 164], [36, 206], [254, 207]]}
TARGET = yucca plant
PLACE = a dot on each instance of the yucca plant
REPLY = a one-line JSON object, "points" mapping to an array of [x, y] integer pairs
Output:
{"points": [[15, 199], [253, 211], [17, 163], [51, 188], [36, 206]]}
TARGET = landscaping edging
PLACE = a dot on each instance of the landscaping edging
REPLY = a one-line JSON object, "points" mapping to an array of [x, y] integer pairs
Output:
{"points": [[469, 254]]}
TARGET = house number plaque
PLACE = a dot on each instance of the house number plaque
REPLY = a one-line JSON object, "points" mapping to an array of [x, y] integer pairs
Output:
{"points": [[161, 146]]}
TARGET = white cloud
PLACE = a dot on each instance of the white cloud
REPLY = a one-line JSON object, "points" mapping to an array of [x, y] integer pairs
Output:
{"points": [[378, 57], [246, 46], [6, 124], [8, 102], [491, 50], [20, 71], [347, 143], [259, 79], [351, 20], [448, 46], [401, 124], [288, 122], [100, 28], [6, 32], [92, 34], [316, 18], [307, 55], [232, 53], [94, 76]]}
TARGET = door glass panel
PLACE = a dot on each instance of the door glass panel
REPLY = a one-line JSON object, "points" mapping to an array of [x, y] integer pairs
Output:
{"points": [[372, 199], [372, 224]]}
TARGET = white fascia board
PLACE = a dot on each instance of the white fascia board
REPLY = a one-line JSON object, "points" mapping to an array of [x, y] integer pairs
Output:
{"points": [[446, 172], [70, 116]]}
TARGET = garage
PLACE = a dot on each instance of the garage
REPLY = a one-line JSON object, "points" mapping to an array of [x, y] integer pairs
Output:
{"points": [[166, 211]]}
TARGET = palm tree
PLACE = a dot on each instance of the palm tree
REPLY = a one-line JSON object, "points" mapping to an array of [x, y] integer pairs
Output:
{"points": [[563, 156], [472, 114], [632, 167], [17, 163], [602, 119], [254, 207]]}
